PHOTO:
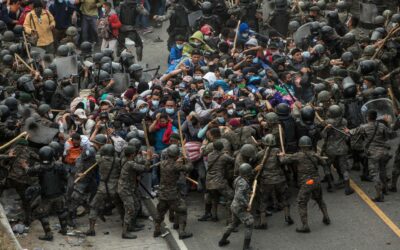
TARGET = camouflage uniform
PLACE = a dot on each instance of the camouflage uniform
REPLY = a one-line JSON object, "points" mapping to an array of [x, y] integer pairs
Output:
{"points": [[321, 67], [309, 181], [127, 188], [216, 181]]}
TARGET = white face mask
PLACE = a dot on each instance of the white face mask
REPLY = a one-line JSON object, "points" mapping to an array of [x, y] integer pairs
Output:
{"points": [[51, 116], [230, 111], [77, 123], [206, 38], [245, 35]]}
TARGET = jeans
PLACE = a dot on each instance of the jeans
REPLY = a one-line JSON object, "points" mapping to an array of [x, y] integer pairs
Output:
{"points": [[142, 20], [161, 7], [89, 31], [110, 44]]}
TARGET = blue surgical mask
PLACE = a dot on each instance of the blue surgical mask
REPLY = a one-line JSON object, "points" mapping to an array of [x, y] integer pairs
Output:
{"points": [[170, 110], [240, 112], [221, 120], [155, 103], [182, 94], [245, 34], [306, 54], [144, 110], [179, 46], [103, 10], [255, 60]]}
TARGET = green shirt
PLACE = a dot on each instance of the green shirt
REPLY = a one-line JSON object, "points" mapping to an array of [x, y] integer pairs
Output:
{"points": [[90, 7]]}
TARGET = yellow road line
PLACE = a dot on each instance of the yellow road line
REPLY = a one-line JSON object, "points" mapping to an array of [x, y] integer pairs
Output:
{"points": [[375, 208]]}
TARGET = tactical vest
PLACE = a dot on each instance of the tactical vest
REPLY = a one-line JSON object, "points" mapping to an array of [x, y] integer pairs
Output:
{"points": [[178, 22], [352, 113], [51, 184]]}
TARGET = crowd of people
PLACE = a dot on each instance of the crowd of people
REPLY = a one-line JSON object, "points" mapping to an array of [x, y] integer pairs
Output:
{"points": [[247, 108]]}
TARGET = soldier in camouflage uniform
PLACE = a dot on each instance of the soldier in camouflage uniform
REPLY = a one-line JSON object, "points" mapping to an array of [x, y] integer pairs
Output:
{"points": [[239, 207], [169, 195], [336, 145], [109, 170], [247, 154], [52, 180], [309, 181], [272, 181], [127, 187], [377, 149], [217, 185]]}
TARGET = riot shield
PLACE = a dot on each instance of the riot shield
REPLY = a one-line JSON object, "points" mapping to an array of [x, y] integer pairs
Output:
{"points": [[383, 106], [121, 83], [267, 7], [368, 12], [193, 16], [302, 33], [66, 66], [38, 133]]}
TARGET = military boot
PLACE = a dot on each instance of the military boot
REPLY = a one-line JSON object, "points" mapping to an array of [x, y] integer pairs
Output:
{"points": [[214, 212], [182, 226], [246, 244], [63, 224], [347, 189], [91, 231], [326, 220], [134, 226], [224, 240], [126, 234], [71, 219], [393, 185], [379, 195], [329, 181], [263, 222], [304, 228], [207, 215], [157, 230], [48, 235], [288, 218]]}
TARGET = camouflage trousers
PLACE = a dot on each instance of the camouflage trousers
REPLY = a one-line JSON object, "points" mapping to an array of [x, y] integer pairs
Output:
{"points": [[131, 203], [341, 165], [306, 192], [81, 194], [177, 206], [212, 195], [241, 216], [48, 205], [99, 202], [377, 161], [278, 191]]}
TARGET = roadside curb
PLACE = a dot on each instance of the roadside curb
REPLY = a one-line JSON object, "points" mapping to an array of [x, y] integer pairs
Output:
{"points": [[7, 237], [172, 238]]}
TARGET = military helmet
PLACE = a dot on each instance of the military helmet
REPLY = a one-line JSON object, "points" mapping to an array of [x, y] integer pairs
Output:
{"points": [[319, 49], [49, 86], [307, 114], [104, 76], [315, 8], [349, 38], [130, 150], [97, 57], [88, 153], [4, 52], [379, 92], [134, 67], [53, 67], [369, 50], [107, 67], [272, 117], [347, 57], [334, 111], [107, 150], [46, 154], [100, 139], [378, 33], [318, 87], [135, 142], [127, 58], [4, 111], [71, 31], [86, 47], [302, 5], [173, 151], [245, 170], [105, 59], [43, 109], [248, 150], [7, 60], [206, 6], [269, 140], [8, 36], [315, 28], [293, 26], [108, 52], [395, 18], [48, 73], [131, 135], [379, 20], [305, 142], [324, 96], [11, 103], [218, 145], [18, 30], [57, 148], [341, 5], [282, 109], [321, 4], [69, 91], [327, 31], [15, 48], [349, 88], [367, 67], [3, 26], [63, 50]]}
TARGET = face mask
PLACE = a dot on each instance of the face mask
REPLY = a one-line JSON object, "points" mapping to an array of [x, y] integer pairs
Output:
{"points": [[155, 103], [125, 101], [182, 94], [206, 38], [51, 116], [197, 77], [240, 113], [230, 111], [364, 87], [245, 34], [179, 46], [255, 60], [60, 1], [103, 10], [170, 110], [143, 110], [196, 44], [77, 123], [102, 125], [221, 120]]}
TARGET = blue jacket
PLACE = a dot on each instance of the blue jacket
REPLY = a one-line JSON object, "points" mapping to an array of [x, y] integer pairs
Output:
{"points": [[62, 13], [8, 17]]}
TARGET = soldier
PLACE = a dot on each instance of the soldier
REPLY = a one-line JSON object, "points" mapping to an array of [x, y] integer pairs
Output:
{"points": [[109, 170], [377, 133], [239, 207], [272, 181], [127, 187], [219, 163], [52, 180], [169, 195], [350, 44], [335, 136], [324, 101], [209, 18], [319, 62], [247, 154], [309, 180], [46, 116]]}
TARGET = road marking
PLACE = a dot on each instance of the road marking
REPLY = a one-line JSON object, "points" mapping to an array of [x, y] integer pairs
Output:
{"points": [[181, 244], [375, 208]]}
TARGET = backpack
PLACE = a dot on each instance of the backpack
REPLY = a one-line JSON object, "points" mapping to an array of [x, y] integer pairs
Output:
{"points": [[103, 28]]}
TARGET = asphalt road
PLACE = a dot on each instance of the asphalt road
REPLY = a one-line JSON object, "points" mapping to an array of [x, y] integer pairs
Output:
{"points": [[355, 225]]}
